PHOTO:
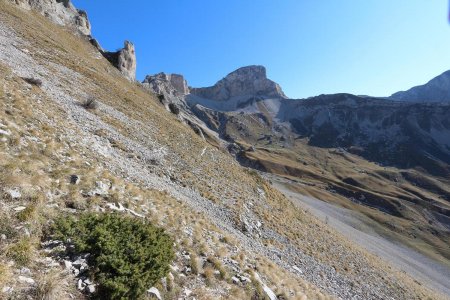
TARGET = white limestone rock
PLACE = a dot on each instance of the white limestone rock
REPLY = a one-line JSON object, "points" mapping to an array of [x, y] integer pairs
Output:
{"points": [[61, 12], [169, 85], [246, 81], [154, 292], [124, 60], [24, 279]]}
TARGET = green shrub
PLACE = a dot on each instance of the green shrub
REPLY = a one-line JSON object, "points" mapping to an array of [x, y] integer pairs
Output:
{"points": [[21, 251], [127, 256]]}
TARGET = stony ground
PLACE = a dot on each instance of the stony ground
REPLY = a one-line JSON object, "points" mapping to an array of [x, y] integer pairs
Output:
{"points": [[235, 235]]}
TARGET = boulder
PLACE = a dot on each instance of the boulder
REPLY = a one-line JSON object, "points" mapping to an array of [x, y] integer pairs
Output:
{"points": [[101, 189], [14, 193], [24, 279], [33, 81], [154, 292], [74, 179], [90, 289]]}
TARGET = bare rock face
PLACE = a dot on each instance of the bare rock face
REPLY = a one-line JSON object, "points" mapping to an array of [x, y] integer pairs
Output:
{"points": [[169, 85], [124, 60], [171, 90], [127, 61], [246, 81], [61, 12]]}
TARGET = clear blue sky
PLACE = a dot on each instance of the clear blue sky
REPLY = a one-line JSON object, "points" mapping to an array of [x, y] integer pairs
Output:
{"points": [[310, 47]]}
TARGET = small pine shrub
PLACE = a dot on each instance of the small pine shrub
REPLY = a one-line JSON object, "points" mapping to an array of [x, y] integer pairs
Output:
{"points": [[90, 103], [161, 98], [174, 108], [127, 256], [33, 81]]}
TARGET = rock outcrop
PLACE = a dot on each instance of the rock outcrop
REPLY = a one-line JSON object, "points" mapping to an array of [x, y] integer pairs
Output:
{"points": [[61, 12], [170, 88], [436, 90], [244, 82], [124, 60], [64, 13], [169, 85]]}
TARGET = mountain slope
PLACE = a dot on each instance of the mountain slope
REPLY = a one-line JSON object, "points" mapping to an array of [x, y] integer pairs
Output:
{"points": [[389, 160], [436, 90], [135, 157], [395, 134]]}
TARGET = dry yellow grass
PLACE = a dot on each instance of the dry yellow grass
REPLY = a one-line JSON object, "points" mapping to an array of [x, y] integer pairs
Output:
{"points": [[317, 170]]}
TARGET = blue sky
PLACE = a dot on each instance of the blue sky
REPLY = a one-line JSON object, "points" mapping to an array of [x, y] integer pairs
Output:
{"points": [[310, 47]]}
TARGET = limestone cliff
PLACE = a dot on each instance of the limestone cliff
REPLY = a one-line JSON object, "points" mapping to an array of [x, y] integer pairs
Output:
{"points": [[246, 81], [61, 12]]}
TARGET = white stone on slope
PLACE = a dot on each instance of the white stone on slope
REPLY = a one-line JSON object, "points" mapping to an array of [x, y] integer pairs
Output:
{"points": [[154, 292]]}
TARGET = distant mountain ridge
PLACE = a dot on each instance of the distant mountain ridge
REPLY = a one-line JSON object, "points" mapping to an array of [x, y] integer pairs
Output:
{"points": [[396, 133], [436, 90]]}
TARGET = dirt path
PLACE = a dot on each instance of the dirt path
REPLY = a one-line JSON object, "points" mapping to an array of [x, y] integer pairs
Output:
{"points": [[353, 225]]}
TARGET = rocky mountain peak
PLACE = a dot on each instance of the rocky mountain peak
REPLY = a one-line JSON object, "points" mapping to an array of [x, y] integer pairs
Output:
{"points": [[248, 73], [245, 81]]}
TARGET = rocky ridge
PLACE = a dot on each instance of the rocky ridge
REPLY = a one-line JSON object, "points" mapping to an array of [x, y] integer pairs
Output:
{"points": [[64, 13], [61, 12], [436, 90]]}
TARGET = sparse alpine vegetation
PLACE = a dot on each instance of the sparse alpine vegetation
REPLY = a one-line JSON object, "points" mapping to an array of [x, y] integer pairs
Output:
{"points": [[90, 103]]}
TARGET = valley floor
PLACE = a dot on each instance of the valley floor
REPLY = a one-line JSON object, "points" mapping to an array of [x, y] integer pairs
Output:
{"points": [[356, 227]]}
